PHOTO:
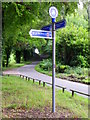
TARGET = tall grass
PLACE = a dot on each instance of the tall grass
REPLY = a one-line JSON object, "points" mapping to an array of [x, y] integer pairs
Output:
{"points": [[19, 93]]}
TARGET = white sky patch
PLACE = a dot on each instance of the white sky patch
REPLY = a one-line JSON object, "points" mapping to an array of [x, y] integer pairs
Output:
{"points": [[36, 51], [80, 5]]}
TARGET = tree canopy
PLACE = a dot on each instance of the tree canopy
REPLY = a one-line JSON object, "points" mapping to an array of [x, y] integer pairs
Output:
{"points": [[20, 17]]}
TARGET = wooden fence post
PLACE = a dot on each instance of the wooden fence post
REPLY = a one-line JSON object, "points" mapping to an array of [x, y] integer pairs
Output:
{"points": [[39, 82], [63, 90], [72, 93], [33, 80], [43, 84]]}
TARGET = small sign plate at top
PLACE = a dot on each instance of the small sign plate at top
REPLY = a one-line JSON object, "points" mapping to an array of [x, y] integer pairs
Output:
{"points": [[53, 12]]}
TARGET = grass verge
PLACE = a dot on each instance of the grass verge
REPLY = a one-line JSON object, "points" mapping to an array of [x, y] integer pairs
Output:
{"points": [[70, 76], [15, 65], [19, 93]]}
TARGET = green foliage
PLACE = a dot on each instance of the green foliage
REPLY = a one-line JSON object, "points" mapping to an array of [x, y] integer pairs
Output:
{"points": [[82, 61], [61, 68], [74, 70], [20, 17], [46, 65], [69, 70], [77, 19], [77, 74], [72, 42]]}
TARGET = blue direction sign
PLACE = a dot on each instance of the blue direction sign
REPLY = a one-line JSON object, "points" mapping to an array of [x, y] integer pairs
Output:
{"points": [[48, 27], [58, 25], [40, 34]]}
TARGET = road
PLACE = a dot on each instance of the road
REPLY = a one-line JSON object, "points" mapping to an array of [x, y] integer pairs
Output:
{"points": [[29, 70]]}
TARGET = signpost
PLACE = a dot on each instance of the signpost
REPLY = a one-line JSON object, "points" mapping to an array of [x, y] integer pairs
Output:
{"points": [[50, 35], [53, 13], [58, 25], [40, 34]]}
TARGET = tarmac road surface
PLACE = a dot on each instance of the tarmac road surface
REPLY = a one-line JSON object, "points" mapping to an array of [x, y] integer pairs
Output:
{"points": [[29, 70]]}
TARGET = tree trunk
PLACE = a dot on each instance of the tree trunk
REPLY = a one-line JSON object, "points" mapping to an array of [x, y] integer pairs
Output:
{"points": [[18, 56], [24, 55], [7, 52], [7, 59]]}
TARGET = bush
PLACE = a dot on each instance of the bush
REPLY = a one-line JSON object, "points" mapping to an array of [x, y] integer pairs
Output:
{"points": [[72, 46], [82, 61], [78, 70], [61, 68], [46, 65], [79, 61], [57, 67], [74, 70]]}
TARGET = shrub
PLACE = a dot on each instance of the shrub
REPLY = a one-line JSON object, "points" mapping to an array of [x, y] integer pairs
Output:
{"points": [[74, 70], [82, 61], [46, 64], [58, 67], [78, 70], [61, 68], [72, 46]]}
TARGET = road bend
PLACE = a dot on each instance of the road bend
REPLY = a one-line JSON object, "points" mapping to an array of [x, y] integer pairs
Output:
{"points": [[29, 70]]}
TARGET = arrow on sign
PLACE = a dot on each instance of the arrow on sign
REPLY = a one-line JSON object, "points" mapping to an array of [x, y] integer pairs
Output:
{"points": [[58, 25], [40, 34]]}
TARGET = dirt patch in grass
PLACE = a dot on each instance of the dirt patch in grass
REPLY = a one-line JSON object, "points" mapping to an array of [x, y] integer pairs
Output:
{"points": [[45, 112]]}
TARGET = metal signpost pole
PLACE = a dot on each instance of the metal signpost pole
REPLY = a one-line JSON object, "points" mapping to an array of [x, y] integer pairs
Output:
{"points": [[53, 13], [53, 64]]}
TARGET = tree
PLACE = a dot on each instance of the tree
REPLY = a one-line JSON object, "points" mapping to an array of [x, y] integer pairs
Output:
{"points": [[20, 17], [72, 42]]}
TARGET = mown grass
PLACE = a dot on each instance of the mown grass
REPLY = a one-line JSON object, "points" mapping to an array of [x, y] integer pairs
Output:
{"points": [[15, 65], [19, 93]]}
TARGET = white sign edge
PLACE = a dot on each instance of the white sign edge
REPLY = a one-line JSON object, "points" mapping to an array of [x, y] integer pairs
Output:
{"points": [[39, 31], [41, 37]]}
